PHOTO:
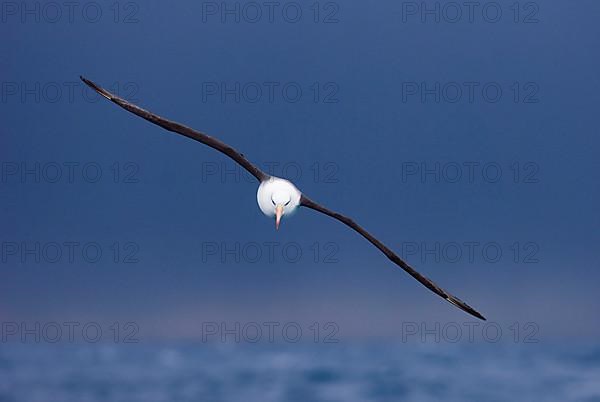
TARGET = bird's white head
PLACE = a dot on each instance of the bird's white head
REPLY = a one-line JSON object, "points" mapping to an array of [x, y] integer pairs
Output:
{"points": [[278, 197]]}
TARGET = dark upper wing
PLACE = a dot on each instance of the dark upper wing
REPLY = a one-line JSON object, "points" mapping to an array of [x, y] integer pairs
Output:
{"points": [[307, 202], [181, 129]]}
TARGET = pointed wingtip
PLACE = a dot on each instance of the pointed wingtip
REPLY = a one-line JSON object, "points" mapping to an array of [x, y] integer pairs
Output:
{"points": [[465, 307], [96, 88], [477, 315], [87, 82]]}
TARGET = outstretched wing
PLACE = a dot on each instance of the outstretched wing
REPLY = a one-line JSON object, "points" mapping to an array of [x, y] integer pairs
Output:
{"points": [[181, 129], [307, 202]]}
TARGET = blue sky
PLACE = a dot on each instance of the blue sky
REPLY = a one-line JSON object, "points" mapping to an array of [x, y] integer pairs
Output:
{"points": [[370, 111]]}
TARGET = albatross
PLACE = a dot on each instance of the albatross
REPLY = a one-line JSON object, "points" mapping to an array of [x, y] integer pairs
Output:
{"points": [[279, 197]]}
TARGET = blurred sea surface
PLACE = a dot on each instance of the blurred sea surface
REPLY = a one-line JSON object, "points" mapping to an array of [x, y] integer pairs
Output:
{"points": [[347, 371]]}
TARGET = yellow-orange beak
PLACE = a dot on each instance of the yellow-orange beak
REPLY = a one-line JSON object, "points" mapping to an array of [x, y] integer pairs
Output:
{"points": [[278, 215]]}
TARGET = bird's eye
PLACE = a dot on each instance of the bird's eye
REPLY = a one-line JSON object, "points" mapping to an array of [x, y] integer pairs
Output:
{"points": [[286, 204], [273, 202]]}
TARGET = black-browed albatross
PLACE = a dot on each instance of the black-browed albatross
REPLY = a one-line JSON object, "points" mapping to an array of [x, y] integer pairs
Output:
{"points": [[278, 197]]}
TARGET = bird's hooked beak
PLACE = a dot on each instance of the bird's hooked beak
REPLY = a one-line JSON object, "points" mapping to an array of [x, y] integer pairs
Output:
{"points": [[278, 215]]}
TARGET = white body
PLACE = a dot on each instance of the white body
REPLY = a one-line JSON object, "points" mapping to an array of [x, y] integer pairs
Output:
{"points": [[276, 192]]}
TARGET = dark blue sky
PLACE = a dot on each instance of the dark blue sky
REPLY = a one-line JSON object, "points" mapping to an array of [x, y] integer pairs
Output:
{"points": [[385, 106]]}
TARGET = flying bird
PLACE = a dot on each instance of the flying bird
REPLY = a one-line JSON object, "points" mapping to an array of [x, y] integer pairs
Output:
{"points": [[279, 197]]}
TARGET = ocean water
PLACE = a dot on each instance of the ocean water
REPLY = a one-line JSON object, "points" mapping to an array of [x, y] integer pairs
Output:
{"points": [[348, 371]]}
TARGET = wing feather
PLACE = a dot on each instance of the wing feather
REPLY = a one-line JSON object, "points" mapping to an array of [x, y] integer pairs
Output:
{"points": [[181, 129], [428, 283]]}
